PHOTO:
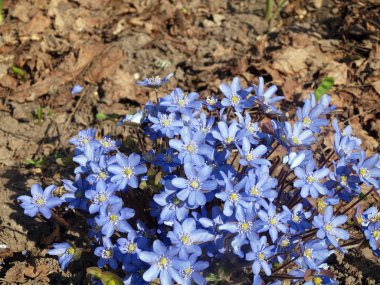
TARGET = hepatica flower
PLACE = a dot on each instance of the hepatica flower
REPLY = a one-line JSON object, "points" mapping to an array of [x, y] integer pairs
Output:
{"points": [[272, 221], [65, 252], [252, 156], [42, 201], [166, 124], [75, 194], [126, 170], [226, 134], [368, 170], [191, 148], [310, 116], [187, 238], [236, 97], [260, 254], [195, 186], [267, 98], [164, 262], [101, 197], [260, 185], [83, 138], [297, 136], [328, 226], [178, 101], [172, 207], [154, 81], [115, 219], [310, 180], [192, 273], [313, 253], [106, 254]]}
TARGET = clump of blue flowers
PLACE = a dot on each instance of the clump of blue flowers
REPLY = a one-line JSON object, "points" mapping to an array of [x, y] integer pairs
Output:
{"points": [[215, 179]]}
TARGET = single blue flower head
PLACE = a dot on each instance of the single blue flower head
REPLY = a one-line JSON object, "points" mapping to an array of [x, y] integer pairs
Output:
{"points": [[42, 201], [155, 81], [76, 89]]}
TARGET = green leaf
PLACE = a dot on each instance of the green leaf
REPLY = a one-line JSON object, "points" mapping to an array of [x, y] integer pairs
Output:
{"points": [[326, 84], [94, 271], [36, 163], [18, 71], [101, 116], [39, 114]]}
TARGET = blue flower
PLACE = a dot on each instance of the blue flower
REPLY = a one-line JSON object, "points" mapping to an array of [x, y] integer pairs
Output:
{"points": [[369, 170], [260, 185], [273, 221], [310, 181], [42, 201], [178, 101], [133, 120], [252, 156], [172, 207], [232, 196], [297, 136], [83, 138], [328, 226], [76, 192], [109, 144], [372, 234], [155, 81], [246, 228], [226, 134], [191, 147], [310, 116], [115, 219], [102, 197], [134, 244], [217, 247], [298, 219], [259, 255], [212, 103], [95, 232], [313, 253], [164, 262], [235, 95], [106, 254], [266, 98], [65, 252], [166, 124], [294, 159], [126, 170], [186, 237], [76, 89], [192, 273], [195, 186], [168, 161]]}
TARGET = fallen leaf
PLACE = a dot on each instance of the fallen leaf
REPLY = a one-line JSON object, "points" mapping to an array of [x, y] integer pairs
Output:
{"points": [[291, 61]]}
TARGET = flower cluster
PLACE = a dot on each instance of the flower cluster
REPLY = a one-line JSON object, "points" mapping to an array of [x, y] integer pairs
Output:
{"points": [[222, 176]]}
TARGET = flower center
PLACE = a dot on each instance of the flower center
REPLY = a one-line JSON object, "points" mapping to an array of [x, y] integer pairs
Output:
{"points": [[285, 242], [187, 272], [249, 156], [107, 254], [376, 234], [40, 202], [317, 280], [272, 221], [296, 218], [235, 99], [182, 102], [310, 179], [191, 147], [211, 101], [229, 140], [328, 227], [252, 128], [306, 121], [131, 248], [70, 251], [163, 262], [255, 191], [186, 239], [102, 198], [343, 179], [128, 172], [168, 158], [308, 253], [194, 184], [114, 218], [245, 226], [261, 255], [321, 204], [102, 175], [363, 172], [234, 197], [296, 140]]}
